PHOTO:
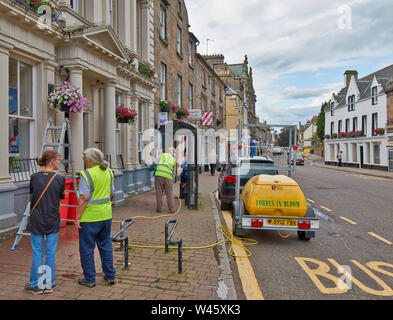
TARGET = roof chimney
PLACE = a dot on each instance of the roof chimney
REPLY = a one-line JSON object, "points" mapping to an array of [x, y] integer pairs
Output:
{"points": [[348, 75]]}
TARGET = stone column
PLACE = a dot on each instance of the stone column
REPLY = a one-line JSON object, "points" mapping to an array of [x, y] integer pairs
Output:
{"points": [[8, 218], [5, 178], [134, 138], [134, 25], [145, 30], [76, 80], [110, 118]]}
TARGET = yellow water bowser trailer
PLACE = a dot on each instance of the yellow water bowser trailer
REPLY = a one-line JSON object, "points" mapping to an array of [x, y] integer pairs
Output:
{"points": [[271, 202]]}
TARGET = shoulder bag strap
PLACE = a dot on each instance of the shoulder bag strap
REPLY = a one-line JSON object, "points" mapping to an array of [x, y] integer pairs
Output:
{"points": [[43, 192]]}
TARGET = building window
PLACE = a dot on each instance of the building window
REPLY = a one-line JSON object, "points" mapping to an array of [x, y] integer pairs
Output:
{"points": [[355, 124], [331, 129], [190, 53], [213, 87], [364, 125], [162, 23], [340, 126], [351, 103], [178, 40], [346, 125], [204, 79], [179, 90], [163, 82], [74, 5], [180, 8], [332, 109], [21, 121], [374, 95], [190, 96], [374, 123]]}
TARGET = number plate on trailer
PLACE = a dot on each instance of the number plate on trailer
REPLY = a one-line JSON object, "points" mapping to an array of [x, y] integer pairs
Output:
{"points": [[282, 222]]}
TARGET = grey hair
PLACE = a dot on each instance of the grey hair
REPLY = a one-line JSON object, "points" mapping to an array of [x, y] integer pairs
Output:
{"points": [[97, 157]]}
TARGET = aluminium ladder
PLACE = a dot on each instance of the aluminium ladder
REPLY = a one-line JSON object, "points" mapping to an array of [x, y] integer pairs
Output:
{"points": [[63, 142]]}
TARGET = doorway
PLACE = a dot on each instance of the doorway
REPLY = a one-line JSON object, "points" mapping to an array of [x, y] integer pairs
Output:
{"points": [[361, 157]]}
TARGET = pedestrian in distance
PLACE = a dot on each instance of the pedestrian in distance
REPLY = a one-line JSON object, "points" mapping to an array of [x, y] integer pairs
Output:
{"points": [[94, 217], [213, 162], [340, 158], [163, 180], [47, 188]]}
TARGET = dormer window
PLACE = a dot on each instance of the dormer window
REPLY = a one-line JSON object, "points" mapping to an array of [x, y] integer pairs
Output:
{"points": [[374, 95], [332, 109], [351, 103]]}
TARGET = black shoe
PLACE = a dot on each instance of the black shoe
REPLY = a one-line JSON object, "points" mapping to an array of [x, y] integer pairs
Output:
{"points": [[110, 281], [83, 282], [34, 290]]}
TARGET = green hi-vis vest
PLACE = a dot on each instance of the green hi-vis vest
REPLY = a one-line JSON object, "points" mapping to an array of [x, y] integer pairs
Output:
{"points": [[165, 166], [99, 207]]}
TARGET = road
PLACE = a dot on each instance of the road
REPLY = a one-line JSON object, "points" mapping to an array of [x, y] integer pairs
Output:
{"points": [[351, 256]]}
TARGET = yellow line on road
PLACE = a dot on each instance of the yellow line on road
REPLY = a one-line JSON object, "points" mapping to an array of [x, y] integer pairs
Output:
{"points": [[312, 201], [327, 209], [246, 272], [347, 220], [380, 238]]}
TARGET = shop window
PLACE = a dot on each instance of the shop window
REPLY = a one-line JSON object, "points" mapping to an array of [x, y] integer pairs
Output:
{"points": [[20, 110]]}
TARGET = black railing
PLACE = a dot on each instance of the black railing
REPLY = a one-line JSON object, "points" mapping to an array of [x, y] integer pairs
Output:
{"points": [[115, 161], [21, 170]]}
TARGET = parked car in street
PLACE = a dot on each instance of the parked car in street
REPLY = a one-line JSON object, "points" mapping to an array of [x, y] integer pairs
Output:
{"points": [[277, 150], [249, 167], [299, 159]]}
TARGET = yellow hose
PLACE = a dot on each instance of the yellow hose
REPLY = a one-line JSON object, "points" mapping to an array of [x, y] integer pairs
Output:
{"points": [[241, 242]]}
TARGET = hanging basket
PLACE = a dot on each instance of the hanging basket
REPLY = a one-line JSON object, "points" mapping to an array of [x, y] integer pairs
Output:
{"points": [[64, 108], [123, 120]]}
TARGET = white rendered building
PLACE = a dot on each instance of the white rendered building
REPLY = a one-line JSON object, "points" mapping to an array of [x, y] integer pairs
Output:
{"points": [[355, 122]]}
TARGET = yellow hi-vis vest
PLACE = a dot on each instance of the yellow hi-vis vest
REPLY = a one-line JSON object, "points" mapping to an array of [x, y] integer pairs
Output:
{"points": [[165, 166], [99, 207]]}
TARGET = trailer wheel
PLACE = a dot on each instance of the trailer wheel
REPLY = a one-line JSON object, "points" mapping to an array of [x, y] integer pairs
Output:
{"points": [[303, 235]]}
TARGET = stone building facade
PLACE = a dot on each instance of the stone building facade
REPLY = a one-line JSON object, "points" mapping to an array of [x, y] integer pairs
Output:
{"points": [[90, 46]]}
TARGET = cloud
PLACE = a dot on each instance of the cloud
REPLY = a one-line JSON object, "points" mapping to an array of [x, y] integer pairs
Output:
{"points": [[287, 41]]}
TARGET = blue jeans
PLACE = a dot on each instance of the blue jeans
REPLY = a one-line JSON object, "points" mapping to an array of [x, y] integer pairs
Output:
{"points": [[38, 265], [99, 233]]}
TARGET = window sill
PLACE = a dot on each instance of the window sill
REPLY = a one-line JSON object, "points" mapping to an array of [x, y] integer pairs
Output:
{"points": [[164, 42], [180, 55]]}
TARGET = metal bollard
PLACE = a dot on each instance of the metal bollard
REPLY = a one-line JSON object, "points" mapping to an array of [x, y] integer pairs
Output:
{"points": [[120, 237], [178, 242]]}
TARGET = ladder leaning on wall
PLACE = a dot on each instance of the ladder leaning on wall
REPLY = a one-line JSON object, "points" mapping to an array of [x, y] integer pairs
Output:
{"points": [[59, 145]]}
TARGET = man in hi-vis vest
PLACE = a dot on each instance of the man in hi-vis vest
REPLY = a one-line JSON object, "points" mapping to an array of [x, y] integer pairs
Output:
{"points": [[164, 180], [94, 217]]}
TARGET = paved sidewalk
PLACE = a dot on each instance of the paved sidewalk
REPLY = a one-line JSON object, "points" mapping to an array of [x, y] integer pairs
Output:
{"points": [[319, 162], [152, 274]]}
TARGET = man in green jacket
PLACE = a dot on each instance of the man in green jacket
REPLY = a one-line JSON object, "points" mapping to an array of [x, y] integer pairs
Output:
{"points": [[164, 180]]}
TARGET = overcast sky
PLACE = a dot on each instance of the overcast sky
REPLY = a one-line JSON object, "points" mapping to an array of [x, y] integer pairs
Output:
{"points": [[298, 49]]}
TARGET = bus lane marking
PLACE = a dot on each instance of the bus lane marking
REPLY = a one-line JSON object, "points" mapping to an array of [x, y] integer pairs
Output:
{"points": [[344, 278]]}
